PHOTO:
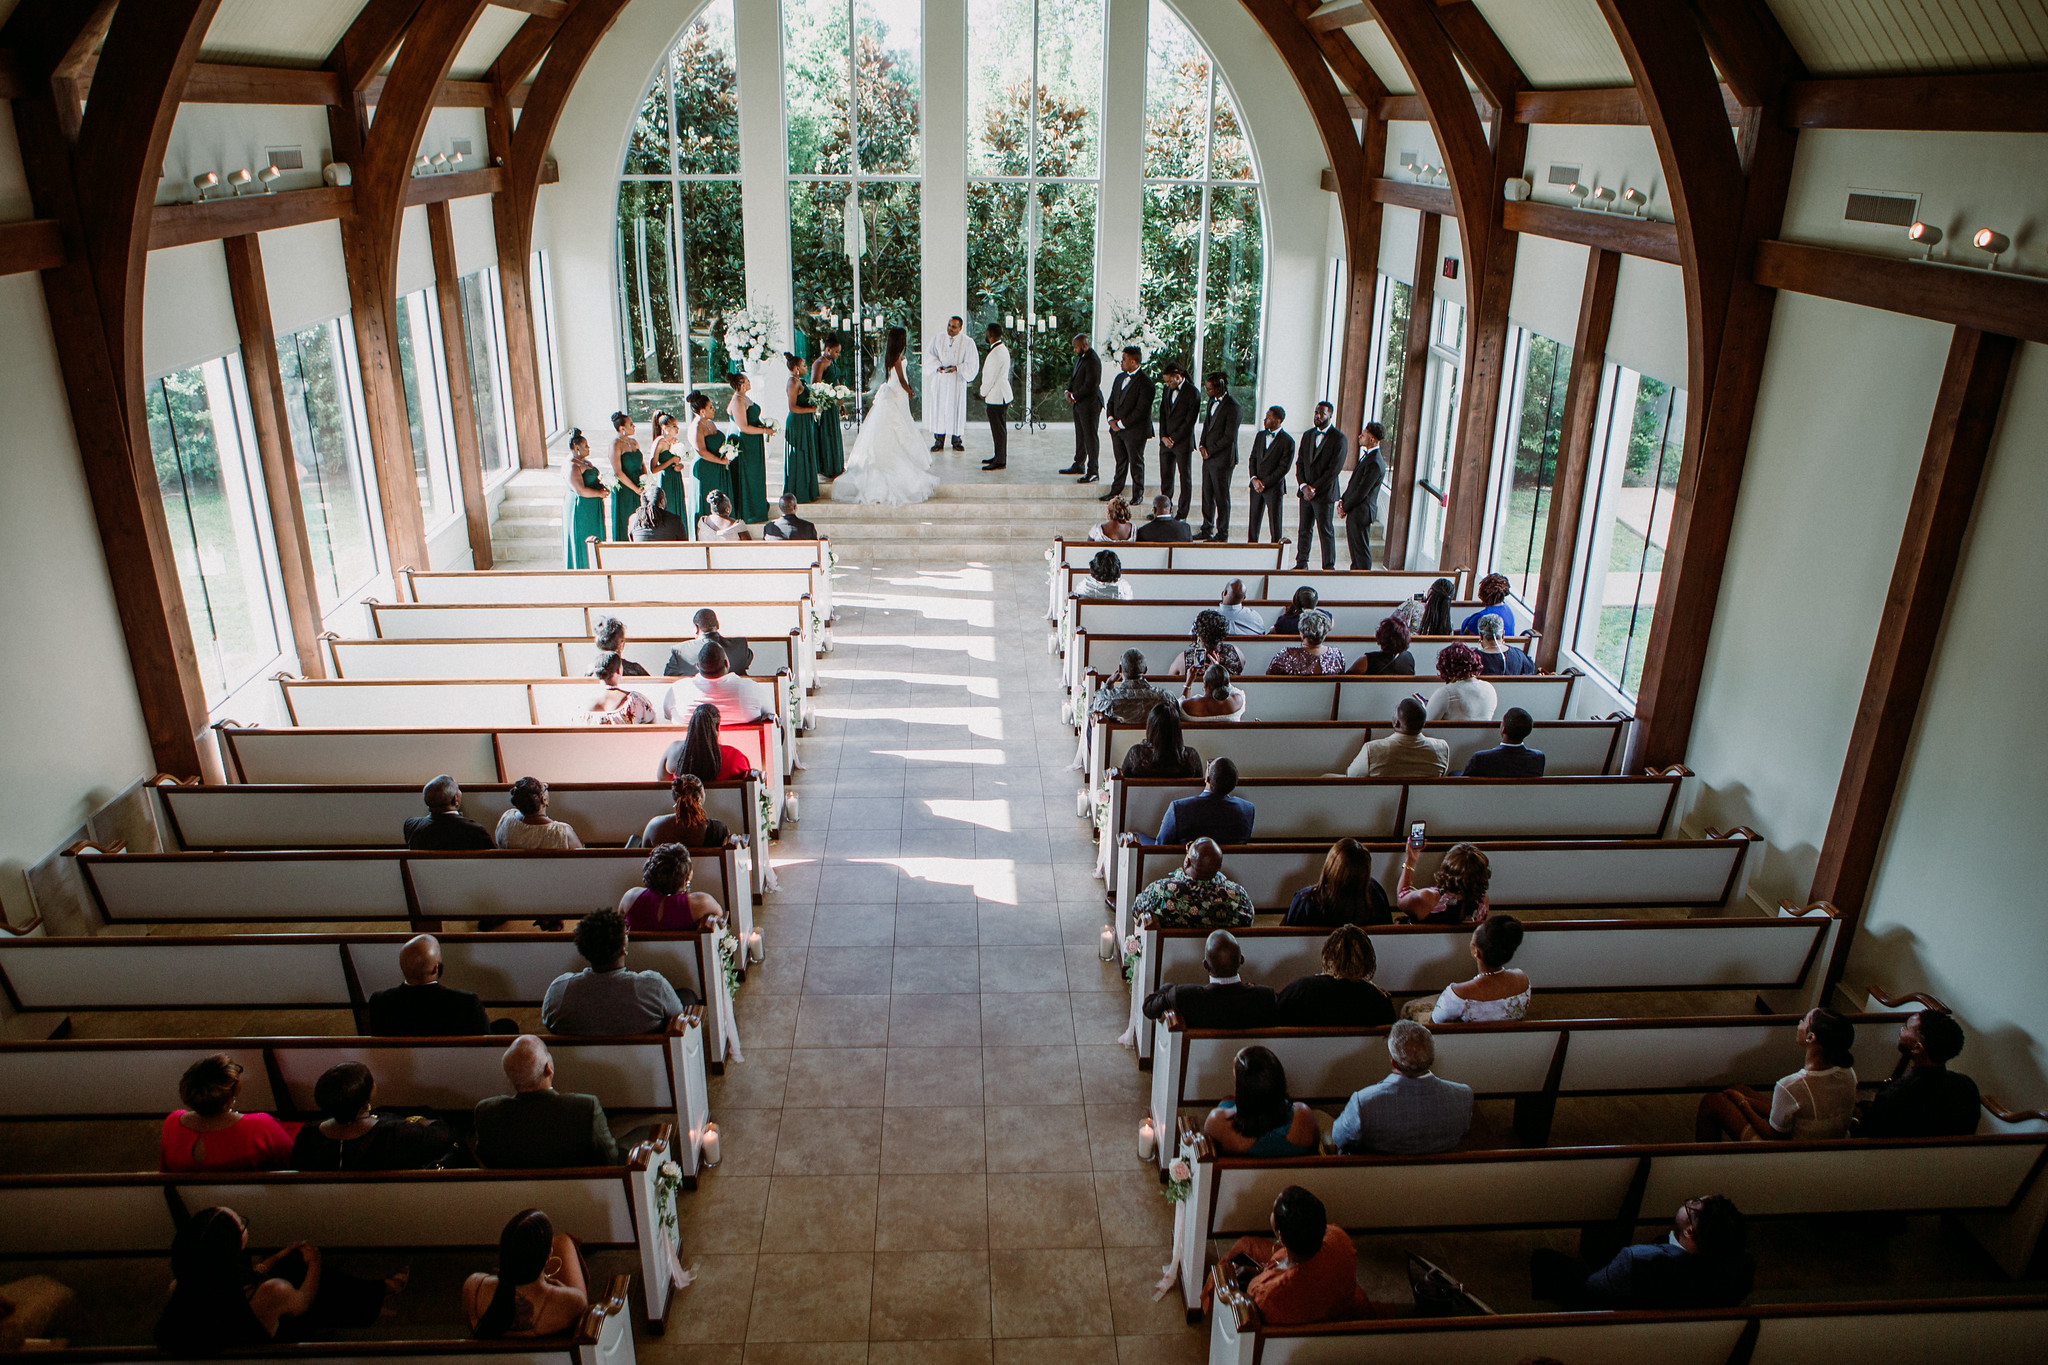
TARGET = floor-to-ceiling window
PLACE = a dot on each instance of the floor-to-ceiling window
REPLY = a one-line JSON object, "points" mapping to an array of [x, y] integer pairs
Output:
{"points": [[852, 95], [1390, 328], [1439, 397], [547, 345], [211, 481], [1630, 521], [1033, 172], [1203, 281], [682, 260], [337, 487], [490, 383], [426, 409], [1541, 368]]}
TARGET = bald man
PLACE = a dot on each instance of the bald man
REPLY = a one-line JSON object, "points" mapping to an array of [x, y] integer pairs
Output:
{"points": [[444, 827], [537, 1125], [1196, 894], [423, 1007], [1225, 1000]]}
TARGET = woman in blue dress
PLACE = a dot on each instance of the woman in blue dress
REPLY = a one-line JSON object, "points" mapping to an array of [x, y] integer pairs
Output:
{"points": [[1262, 1120]]}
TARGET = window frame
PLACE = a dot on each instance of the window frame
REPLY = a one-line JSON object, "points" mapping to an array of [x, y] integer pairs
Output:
{"points": [[356, 423], [430, 366]]}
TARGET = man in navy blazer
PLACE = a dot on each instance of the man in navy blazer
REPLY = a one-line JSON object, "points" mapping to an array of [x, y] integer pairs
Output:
{"points": [[1215, 814], [1511, 757]]}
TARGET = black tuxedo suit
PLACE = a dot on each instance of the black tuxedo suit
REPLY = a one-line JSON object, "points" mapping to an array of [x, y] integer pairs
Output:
{"points": [[1506, 760], [1130, 407], [1219, 460], [1178, 409], [1235, 1006], [1272, 457], [1360, 497], [1318, 466], [1165, 529], [1084, 391]]}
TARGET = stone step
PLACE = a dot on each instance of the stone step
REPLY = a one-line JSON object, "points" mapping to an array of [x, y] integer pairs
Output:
{"points": [[529, 515]]}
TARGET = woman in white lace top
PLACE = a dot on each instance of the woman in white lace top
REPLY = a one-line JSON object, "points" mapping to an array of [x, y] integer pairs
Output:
{"points": [[1499, 991]]}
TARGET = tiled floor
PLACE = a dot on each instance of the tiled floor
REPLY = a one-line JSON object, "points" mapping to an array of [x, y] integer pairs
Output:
{"points": [[930, 1149]]}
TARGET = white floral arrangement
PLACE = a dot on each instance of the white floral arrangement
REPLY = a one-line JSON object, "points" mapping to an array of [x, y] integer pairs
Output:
{"points": [[747, 334], [834, 393], [1128, 326], [667, 1180], [1180, 1179]]}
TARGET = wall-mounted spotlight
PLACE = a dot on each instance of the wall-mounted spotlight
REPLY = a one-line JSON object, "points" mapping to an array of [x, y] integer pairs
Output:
{"points": [[1516, 190], [269, 175], [422, 166], [1578, 192], [1637, 201], [204, 181], [240, 180], [1993, 244], [1604, 197], [1925, 234], [440, 162]]}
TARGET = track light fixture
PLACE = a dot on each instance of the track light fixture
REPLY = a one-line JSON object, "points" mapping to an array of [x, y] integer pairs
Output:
{"points": [[204, 181], [240, 180], [269, 175], [1993, 244], [440, 162], [1604, 197], [422, 166], [1578, 192], [1927, 235]]}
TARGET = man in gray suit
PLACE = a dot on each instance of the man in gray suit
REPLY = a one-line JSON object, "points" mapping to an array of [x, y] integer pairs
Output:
{"points": [[1412, 1111], [538, 1126]]}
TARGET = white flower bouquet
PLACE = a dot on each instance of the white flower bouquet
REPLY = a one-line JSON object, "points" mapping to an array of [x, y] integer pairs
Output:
{"points": [[834, 393], [747, 334], [1128, 327]]}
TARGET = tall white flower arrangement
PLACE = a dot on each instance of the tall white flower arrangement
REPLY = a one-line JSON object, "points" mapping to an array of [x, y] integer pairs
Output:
{"points": [[1128, 326], [748, 333]]}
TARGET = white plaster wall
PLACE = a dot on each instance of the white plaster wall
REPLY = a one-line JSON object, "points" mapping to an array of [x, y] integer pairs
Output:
{"points": [[475, 234], [942, 203], [187, 313], [226, 138], [1399, 227], [1607, 155], [446, 126], [306, 275], [415, 252], [1120, 214]]}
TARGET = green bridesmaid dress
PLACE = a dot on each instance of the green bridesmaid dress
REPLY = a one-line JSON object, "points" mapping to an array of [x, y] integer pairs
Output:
{"points": [[673, 495], [586, 519], [831, 441], [750, 473], [625, 502], [800, 451], [712, 477]]}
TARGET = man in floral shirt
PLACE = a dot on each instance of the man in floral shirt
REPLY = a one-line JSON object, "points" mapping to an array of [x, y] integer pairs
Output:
{"points": [[1196, 895], [1127, 698]]}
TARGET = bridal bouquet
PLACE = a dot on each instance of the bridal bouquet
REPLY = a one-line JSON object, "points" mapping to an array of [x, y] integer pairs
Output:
{"points": [[1128, 327], [747, 333]]}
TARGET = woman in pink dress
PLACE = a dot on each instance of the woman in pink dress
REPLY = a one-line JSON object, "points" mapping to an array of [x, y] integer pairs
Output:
{"points": [[210, 1134]]}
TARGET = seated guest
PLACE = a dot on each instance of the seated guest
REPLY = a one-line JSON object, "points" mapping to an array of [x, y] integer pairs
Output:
{"points": [[1306, 1272], [610, 638], [687, 824], [1221, 699], [604, 1000], [1259, 1119], [739, 701], [1347, 893], [700, 753], [1409, 614], [1226, 1001], [1464, 694], [30, 1308], [1813, 1102], [221, 1301], [718, 521], [1493, 596], [527, 825], [541, 1289], [617, 705], [653, 521], [1208, 647], [789, 526], [1238, 619], [1163, 524], [1196, 894], [1405, 753], [537, 1125], [1512, 757], [444, 827], [1703, 1263], [1436, 610], [682, 660], [353, 1137], [1127, 698], [1391, 659], [1117, 525], [1289, 622], [1214, 814], [1413, 1111], [1495, 654], [210, 1134], [1342, 994], [1497, 993], [1161, 753], [423, 1007], [1456, 896], [1105, 579], [1924, 1098], [664, 900], [1312, 655]]}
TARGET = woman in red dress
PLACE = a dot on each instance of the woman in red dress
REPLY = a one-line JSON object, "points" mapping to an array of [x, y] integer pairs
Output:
{"points": [[210, 1134]]}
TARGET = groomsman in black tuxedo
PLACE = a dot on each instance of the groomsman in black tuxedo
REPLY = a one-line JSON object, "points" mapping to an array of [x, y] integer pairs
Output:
{"points": [[1219, 457], [1179, 405], [1315, 475], [1084, 391], [1361, 494], [1272, 456], [1130, 422]]}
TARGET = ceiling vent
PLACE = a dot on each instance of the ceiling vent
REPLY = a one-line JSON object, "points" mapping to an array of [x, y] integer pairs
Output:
{"points": [[462, 146], [1407, 159], [287, 158], [1887, 208], [1564, 175]]}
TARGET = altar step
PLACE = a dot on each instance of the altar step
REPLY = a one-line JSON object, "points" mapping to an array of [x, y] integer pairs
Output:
{"points": [[986, 522]]}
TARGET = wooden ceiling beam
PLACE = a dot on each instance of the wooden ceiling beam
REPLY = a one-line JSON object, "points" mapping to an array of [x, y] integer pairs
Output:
{"points": [[1485, 57], [31, 244], [1998, 102], [182, 224], [522, 53], [439, 189], [1426, 198], [372, 40], [1616, 232], [540, 9], [1983, 300], [1336, 20]]}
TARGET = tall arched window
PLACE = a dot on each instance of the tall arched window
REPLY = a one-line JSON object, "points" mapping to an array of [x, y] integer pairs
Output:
{"points": [[1033, 173], [851, 92], [1201, 290], [682, 264]]}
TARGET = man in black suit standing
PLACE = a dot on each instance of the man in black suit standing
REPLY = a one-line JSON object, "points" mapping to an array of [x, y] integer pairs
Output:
{"points": [[1130, 422], [1512, 757], [1084, 391], [1361, 496], [1224, 1001], [789, 526], [1179, 405], [1272, 456], [1219, 457], [1315, 474], [1164, 525]]}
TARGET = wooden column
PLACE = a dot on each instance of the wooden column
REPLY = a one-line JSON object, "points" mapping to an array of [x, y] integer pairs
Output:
{"points": [[267, 413], [514, 233], [1414, 364], [1930, 551], [1574, 451], [469, 464]]}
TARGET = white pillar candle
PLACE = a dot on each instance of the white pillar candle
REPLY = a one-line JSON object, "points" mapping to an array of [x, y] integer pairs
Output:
{"points": [[1148, 1141], [1108, 945], [711, 1144], [753, 945]]}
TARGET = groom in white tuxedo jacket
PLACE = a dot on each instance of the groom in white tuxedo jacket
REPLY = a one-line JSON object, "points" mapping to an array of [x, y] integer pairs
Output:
{"points": [[950, 363]]}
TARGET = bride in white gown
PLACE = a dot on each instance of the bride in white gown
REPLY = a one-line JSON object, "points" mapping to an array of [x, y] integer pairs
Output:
{"points": [[889, 461]]}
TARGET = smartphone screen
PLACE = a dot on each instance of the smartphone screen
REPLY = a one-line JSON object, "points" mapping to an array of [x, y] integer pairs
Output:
{"points": [[1415, 835]]}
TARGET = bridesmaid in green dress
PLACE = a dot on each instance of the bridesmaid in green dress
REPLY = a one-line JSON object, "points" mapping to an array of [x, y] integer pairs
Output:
{"points": [[586, 495], [629, 467], [800, 437], [668, 460], [713, 468], [750, 466], [831, 441]]}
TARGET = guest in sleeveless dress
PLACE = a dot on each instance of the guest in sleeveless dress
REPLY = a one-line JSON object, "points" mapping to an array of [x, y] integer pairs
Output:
{"points": [[1261, 1120], [526, 823], [629, 470], [617, 705], [718, 521], [800, 438], [219, 1301], [541, 1288], [586, 502], [700, 752], [750, 466], [1457, 896], [670, 454], [831, 436], [664, 900], [713, 467], [1498, 994], [210, 1134]]}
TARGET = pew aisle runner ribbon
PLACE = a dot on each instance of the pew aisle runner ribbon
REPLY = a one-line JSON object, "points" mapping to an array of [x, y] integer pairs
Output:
{"points": [[1180, 1181], [668, 1180], [729, 949]]}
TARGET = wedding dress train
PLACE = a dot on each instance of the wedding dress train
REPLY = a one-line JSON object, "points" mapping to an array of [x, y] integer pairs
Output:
{"points": [[889, 462]]}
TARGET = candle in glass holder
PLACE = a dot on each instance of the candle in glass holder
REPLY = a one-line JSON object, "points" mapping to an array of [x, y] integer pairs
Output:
{"points": [[753, 945], [1148, 1141], [1108, 945], [710, 1144]]}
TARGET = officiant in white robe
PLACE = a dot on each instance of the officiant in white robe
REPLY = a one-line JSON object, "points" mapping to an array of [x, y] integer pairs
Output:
{"points": [[950, 364]]}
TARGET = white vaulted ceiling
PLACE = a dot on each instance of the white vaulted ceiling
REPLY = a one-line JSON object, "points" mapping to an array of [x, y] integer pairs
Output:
{"points": [[1557, 43], [277, 32], [1883, 37]]}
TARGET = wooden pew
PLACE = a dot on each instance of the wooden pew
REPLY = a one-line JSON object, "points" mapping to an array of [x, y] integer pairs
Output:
{"points": [[1956, 1331], [322, 971], [1224, 557], [585, 585], [1102, 655], [1269, 594], [1363, 700], [1107, 616], [659, 1076], [815, 555], [552, 657]]}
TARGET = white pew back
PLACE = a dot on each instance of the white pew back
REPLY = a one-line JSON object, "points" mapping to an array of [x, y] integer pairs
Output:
{"points": [[1369, 700], [815, 555], [372, 660], [584, 585], [1162, 616], [1389, 586], [1103, 654]]}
